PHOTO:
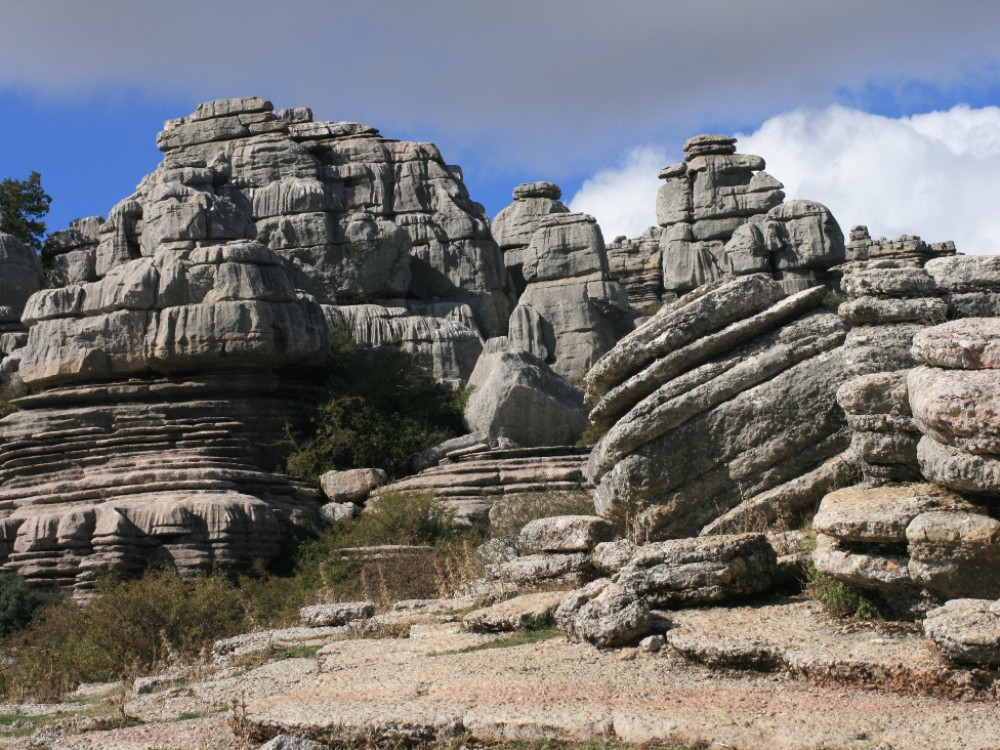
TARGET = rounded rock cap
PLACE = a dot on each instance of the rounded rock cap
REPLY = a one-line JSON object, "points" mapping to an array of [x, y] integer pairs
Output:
{"points": [[538, 190], [709, 144]]}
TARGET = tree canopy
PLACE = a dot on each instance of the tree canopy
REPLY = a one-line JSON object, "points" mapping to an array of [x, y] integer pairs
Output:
{"points": [[25, 203]]}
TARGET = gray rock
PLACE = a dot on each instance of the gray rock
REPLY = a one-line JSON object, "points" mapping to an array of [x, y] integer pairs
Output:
{"points": [[960, 408], [957, 469], [340, 613], [605, 614], [529, 611], [518, 396], [610, 557], [965, 273], [899, 281], [288, 742], [691, 572], [877, 311], [869, 349], [565, 534], [955, 553], [879, 515], [351, 485], [881, 569], [571, 568], [967, 631], [966, 344], [334, 513]]}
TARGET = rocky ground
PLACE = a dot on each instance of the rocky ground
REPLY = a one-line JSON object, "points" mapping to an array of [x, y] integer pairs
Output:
{"points": [[778, 675]]}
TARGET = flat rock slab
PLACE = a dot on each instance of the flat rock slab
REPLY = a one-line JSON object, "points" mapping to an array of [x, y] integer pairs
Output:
{"points": [[519, 613], [554, 689]]}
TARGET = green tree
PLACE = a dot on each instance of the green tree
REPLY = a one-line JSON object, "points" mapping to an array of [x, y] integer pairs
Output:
{"points": [[25, 203]]}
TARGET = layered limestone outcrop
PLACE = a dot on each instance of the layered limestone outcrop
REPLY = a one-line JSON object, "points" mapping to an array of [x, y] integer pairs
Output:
{"points": [[20, 277], [163, 389], [569, 311], [722, 214], [923, 544], [719, 412], [636, 264]]}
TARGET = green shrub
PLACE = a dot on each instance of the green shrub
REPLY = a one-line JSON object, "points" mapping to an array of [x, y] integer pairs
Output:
{"points": [[19, 603], [841, 598], [129, 628], [382, 409]]}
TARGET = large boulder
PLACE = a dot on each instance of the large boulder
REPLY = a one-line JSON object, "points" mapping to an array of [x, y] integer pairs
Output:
{"points": [[516, 396], [726, 394], [967, 631]]}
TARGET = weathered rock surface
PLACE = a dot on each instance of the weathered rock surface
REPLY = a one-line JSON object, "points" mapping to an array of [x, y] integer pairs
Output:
{"points": [[604, 613], [726, 394], [570, 311], [636, 264], [472, 480], [908, 248], [529, 611], [514, 227], [20, 277], [351, 485], [565, 534], [690, 572], [967, 631], [721, 215], [339, 613], [517, 396]]}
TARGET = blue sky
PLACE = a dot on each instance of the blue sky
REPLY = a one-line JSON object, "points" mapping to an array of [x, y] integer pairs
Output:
{"points": [[886, 111]]}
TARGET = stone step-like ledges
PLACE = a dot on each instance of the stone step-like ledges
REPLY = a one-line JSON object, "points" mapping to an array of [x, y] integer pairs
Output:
{"points": [[470, 482]]}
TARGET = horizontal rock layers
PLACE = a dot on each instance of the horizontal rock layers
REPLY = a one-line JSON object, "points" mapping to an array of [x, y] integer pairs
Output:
{"points": [[721, 215], [570, 311], [721, 397]]}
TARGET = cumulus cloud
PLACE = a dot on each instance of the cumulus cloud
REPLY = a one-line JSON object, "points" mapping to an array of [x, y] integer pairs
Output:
{"points": [[622, 198], [936, 175]]}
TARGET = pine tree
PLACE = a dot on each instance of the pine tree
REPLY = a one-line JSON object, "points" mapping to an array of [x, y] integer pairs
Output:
{"points": [[25, 203]]}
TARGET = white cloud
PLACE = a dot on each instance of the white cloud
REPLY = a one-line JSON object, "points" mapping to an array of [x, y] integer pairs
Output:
{"points": [[936, 175], [623, 198]]}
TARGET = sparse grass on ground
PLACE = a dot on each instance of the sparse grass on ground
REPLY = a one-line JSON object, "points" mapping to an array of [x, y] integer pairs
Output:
{"points": [[842, 599]]}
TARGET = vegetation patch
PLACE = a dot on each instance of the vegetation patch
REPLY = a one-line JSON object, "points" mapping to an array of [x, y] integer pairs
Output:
{"points": [[381, 408], [842, 599]]}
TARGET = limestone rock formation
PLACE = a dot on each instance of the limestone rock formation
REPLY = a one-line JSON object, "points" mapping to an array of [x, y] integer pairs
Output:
{"points": [[967, 631], [472, 479], [20, 277], [636, 265], [570, 311], [604, 613], [516, 224], [722, 396], [907, 247], [517, 397], [722, 215], [565, 534], [72, 253]]}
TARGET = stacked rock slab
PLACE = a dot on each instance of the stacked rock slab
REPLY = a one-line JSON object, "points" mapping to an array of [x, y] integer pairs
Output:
{"points": [[515, 225], [71, 255], [569, 310], [163, 391], [724, 397], [20, 277], [704, 204], [470, 481], [636, 264], [361, 218], [907, 247]]}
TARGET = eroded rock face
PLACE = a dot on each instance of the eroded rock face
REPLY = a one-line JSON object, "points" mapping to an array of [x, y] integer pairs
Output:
{"points": [[569, 311], [636, 264], [20, 277], [604, 613], [517, 397], [967, 631], [721, 214], [726, 394]]}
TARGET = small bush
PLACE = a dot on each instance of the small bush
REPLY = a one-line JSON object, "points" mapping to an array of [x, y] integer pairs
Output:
{"points": [[382, 409], [129, 628], [842, 599], [19, 603]]}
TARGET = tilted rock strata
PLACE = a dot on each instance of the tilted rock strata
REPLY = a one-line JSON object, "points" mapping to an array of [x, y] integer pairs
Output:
{"points": [[727, 393]]}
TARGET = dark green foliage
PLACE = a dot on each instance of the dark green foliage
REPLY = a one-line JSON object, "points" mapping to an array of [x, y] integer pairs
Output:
{"points": [[25, 203], [842, 599], [19, 603], [382, 409]]}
